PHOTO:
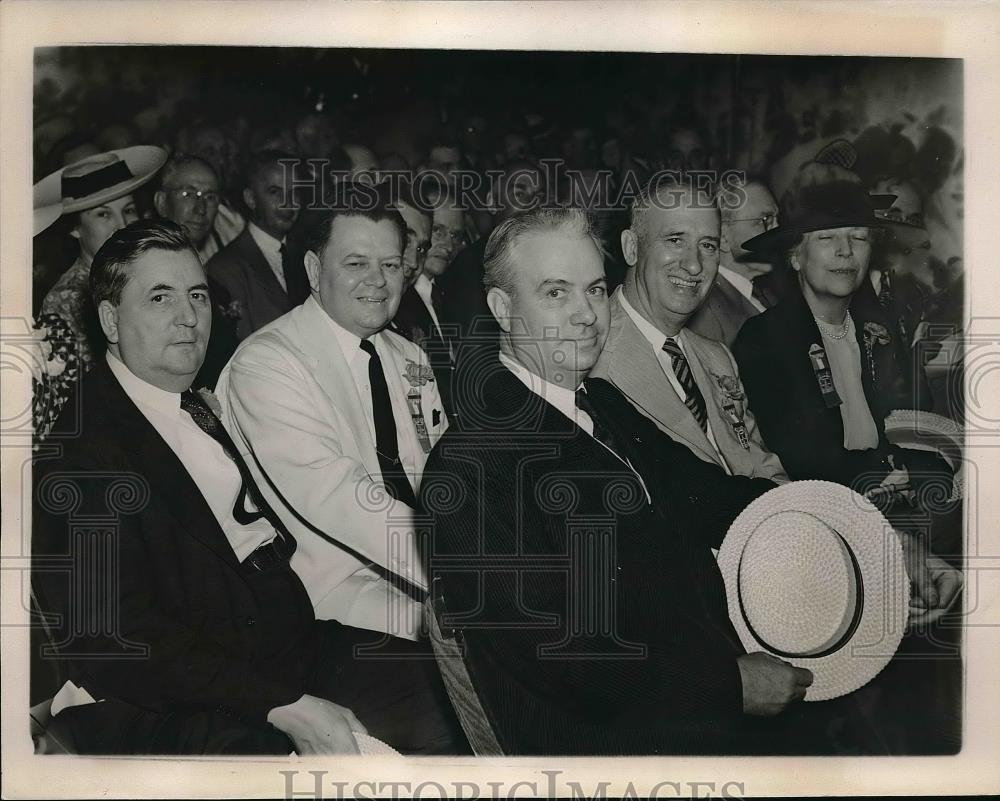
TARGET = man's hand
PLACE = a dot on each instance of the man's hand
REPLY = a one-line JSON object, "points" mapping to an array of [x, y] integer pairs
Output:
{"points": [[935, 583], [317, 726], [770, 684]]}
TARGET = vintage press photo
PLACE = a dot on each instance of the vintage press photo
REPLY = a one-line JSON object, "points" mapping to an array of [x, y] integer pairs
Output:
{"points": [[421, 413]]}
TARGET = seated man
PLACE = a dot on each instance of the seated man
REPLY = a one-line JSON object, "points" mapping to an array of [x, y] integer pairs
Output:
{"points": [[572, 539], [685, 383], [168, 572], [327, 405]]}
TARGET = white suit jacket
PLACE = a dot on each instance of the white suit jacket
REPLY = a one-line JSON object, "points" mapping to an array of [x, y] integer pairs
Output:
{"points": [[293, 408]]}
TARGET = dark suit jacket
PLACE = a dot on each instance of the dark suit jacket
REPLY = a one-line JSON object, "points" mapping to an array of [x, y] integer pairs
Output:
{"points": [[519, 497], [241, 269], [772, 351], [414, 321], [723, 313], [188, 628]]}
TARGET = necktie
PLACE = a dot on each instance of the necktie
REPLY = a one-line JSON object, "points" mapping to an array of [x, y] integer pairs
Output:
{"points": [[192, 403], [386, 444], [283, 250], [693, 398], [884, 290], [601, 433], [760, 295]]}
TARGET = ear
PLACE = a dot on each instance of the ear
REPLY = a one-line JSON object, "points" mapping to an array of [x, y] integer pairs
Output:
{"points": [[724, 244], [160, 202], [499, 303], [107, 313], [312, 265], [793, 259], [630, 247], [75, 233], [248, 198]]}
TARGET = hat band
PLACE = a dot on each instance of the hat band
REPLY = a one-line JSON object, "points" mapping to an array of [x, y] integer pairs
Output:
{"points": [[841, 641], [93, 182]]}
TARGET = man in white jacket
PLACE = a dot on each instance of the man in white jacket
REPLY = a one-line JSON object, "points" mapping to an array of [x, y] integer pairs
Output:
{"points": [[336, 416]]}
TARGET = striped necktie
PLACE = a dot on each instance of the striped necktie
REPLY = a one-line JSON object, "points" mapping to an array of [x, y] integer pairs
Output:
{"points": [[692, 395]]}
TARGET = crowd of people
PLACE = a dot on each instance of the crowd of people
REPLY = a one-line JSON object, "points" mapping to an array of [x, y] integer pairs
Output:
{"points": [[343, 373]]}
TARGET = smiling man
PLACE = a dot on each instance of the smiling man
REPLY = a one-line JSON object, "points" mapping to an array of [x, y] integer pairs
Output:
{"points": [[337, 416], [685, 383]]}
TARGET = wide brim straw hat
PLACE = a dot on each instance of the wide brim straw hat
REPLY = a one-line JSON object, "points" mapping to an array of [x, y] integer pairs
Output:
{"points": [[814, 575], [93, 181]]}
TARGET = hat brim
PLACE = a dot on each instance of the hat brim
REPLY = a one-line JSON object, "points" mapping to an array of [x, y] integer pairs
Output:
{"points": [[927, 431], [878, 558], [143, 161]]}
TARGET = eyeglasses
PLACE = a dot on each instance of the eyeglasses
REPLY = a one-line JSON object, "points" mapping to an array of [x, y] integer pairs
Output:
{"points": [[768, 221], [440, 232], [190, 193]]}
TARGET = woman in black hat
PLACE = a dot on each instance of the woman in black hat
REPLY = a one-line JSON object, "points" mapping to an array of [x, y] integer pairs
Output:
{"points": [[824, 367], [94, 195]]}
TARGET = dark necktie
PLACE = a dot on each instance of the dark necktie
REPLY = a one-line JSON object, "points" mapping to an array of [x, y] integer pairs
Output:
{"points": [[884, 290], [192, 403], [601, 433], [759, 295], [693, 398], [386, 443]]}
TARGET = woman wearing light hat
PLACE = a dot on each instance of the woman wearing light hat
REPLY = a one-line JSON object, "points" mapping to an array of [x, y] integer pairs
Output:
{"points": [[823, 368], [95, 197]]}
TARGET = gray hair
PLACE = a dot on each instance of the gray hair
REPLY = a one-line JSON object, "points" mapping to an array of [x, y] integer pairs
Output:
{"points": [[497, 267], [669, 184]]}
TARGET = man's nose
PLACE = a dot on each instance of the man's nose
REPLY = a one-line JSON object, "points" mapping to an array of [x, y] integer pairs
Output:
{"points": [[375, 276], [691, 261], [584, 314], [187, 314]]}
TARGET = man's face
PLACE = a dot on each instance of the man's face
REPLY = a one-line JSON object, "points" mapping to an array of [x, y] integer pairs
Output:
{"points": [[445, 160], [418, 242], [675, 259], [686, 151], [558, 316], [161, 327], [96, 225], [271, 200], [447, 239], [358, 276], [191, 200], [211, 144], [757, 214], [519, 190], [832, 263]]}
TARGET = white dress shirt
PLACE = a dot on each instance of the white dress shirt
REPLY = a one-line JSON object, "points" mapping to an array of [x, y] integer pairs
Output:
{"points": [[424, 287], [214, 473], [271, 248], [743, 285], [656, 338], [564, 400], [357, 360]]}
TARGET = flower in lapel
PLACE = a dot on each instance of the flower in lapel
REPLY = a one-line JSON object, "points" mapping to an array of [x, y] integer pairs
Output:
{"points": [[874, 334], [730, 387], [418, 374], [232, 311], [211, 401]]}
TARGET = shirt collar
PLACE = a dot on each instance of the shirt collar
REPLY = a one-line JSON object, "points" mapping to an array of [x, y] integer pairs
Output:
{"points": [[142, 392], [653, 334], [563, 399], [264, 240], [743, 284], [350, 344]]}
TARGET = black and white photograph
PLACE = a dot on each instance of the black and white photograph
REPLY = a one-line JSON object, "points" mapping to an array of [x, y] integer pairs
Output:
{"points": [[398, 404]]}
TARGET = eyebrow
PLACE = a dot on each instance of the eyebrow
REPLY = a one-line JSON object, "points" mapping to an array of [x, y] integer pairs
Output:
{"points": [[553, 282], [169, 288]]}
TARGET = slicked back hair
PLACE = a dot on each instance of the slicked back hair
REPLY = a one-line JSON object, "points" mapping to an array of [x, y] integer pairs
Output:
{"points": [[664, 191], [497, 267], [361, 201], [110, 271]]}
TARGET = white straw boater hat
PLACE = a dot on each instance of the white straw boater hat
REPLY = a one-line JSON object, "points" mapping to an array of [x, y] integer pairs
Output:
{"points": [[814, 576], [913, 428], [94, 180]]}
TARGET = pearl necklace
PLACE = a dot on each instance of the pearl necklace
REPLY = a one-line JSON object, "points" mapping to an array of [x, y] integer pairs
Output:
{"points": [[830, 331]]}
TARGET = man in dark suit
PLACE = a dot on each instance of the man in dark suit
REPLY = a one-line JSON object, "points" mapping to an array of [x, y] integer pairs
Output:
{"points": [[258, 271], [740, 290], [189, 633], [572, 539]]}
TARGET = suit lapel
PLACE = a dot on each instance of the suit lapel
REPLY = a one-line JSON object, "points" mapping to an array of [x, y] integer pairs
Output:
{"points": [[335, 378], [636, 372], [266, 279], [159, 465]]}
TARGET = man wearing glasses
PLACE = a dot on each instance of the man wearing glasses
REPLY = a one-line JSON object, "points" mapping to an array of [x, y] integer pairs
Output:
{"points": [[685, 383], [189, 195], [747, 210]]}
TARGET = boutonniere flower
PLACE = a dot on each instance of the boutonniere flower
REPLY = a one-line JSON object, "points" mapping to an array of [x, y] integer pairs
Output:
{"points": [[418, 374], [874, 334], [730, 387], [212, 402], [43, 361], [232, 311]]}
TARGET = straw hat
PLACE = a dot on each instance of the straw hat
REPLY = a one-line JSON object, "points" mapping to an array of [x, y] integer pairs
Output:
{"points": [[814, 575], [913, 428], [94, 180]]}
